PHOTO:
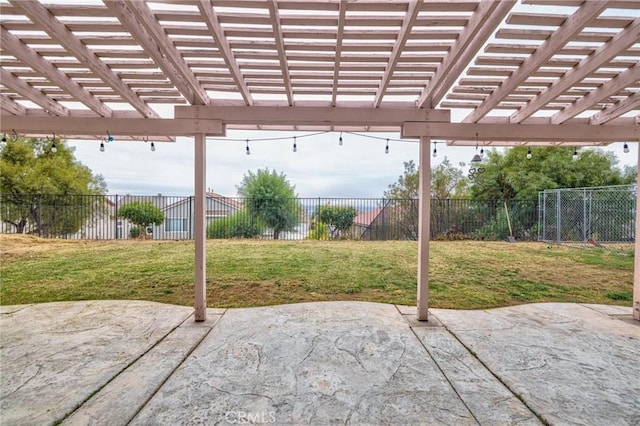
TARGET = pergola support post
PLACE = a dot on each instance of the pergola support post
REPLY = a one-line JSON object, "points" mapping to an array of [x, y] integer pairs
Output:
{"points": [[424, 224], [200, 228], [636, 263]]}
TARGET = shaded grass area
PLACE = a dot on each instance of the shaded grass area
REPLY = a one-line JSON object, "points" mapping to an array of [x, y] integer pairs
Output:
{"points": [[464, 275]]}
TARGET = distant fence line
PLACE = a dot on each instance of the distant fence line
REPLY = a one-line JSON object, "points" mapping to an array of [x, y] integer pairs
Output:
{"points": [[96, 217]]}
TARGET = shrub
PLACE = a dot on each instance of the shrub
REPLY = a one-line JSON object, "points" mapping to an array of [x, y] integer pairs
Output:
{"points": [[319, 232], [238, 225], [134, 232]]}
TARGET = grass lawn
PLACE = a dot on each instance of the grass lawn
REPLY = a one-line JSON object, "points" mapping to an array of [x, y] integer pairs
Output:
{"points": [[464, 274]]}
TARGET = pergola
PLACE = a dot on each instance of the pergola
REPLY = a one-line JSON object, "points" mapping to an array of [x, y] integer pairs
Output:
{"points": [[529, 72]]}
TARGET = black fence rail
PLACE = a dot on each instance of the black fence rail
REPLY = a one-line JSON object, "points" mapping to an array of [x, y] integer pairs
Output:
{"points": [[100, 217]]}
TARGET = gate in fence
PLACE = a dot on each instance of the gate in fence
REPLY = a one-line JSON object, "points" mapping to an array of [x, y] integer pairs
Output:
{"points": [[597, 215]]}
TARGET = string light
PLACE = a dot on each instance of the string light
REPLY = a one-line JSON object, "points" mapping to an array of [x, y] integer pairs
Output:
{"points": [[435, 149], [575, 154], [529, 155], [4, 137], [54, 148], [295, 146], [153, 147], [340, 140], [482, 152], [625, 148], [102, 145], [386, 148], [248, 151]]}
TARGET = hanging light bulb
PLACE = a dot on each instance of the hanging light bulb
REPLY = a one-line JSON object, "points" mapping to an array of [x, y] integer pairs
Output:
{"points": [[340, 140], [295, 146], [248, 150], [153, 147], [54, 148], [4, 137], [435, 149], [625, 148], [529, 155], [386, 148], [102, 146], [482, 152], [575, 154]]}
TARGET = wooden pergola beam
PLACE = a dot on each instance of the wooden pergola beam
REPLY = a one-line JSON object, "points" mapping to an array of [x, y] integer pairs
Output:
{"points": [[282, 54], [616, 110], [571, 133], [592, 98], [57, 30], [12, 107], [488, 15], [87, 127], [342, 13], [407, 24], [34, 95], [591, 63], [208, 13], [13, 45], [141, 23], [571, 26]]}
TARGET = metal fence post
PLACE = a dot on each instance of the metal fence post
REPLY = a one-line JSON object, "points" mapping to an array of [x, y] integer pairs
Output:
{"points": [[115, 218]]}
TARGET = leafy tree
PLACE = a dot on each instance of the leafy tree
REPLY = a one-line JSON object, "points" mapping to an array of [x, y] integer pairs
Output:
{"points": [[271, 199], [510, 175], [238, 225], [447, 181], [337, 218], [45, 190], [141, 214]]}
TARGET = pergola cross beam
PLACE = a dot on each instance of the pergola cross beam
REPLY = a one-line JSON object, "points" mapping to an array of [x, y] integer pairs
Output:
{"points": [[488, 15], [57, 30], [34, 95], [27, 55], [407, 24], [142, 25], [608, 89], [282, 54], [600, 57], [572, 26], [211, 19]]}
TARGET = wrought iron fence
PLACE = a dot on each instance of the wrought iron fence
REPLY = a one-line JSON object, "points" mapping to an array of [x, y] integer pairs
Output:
{"points": [[589, 216], [96, 217]]}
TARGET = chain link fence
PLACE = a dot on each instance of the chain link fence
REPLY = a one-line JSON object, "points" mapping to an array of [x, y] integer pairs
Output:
{"points": [[96, 217], [588, 216]]}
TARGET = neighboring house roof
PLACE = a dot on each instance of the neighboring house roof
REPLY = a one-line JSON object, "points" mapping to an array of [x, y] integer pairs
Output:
{"points": [[366, 218], [230, 202]]}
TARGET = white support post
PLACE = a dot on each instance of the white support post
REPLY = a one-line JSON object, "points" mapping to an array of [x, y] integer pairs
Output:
{"points": [[200, 234], [636, 263], [424, 233]]}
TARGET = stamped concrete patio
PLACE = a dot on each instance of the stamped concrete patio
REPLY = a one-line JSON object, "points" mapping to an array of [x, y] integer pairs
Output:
{"points": [[131, 362]]}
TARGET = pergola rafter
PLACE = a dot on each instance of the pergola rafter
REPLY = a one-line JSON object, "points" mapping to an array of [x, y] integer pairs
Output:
{"points": [[139, 19], [567, 30], [34, 95]]}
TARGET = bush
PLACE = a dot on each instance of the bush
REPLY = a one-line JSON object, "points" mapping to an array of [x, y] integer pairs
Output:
{"points": [[134, 232], [320, 231], [238, 225]]}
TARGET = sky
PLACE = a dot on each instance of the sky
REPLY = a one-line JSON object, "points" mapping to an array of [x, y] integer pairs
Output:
{"points": [[320, 167]]}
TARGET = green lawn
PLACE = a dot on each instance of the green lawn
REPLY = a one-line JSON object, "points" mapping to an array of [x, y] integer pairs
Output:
{"points": [[464, 274]]}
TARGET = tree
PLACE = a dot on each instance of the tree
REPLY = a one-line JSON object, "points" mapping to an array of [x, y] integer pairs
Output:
{"points": [[447, 181], [45, 190], [141, 214], [271, 199], [337, 218], [510, 175], [238, 225]]}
